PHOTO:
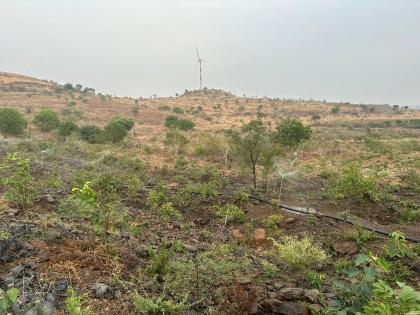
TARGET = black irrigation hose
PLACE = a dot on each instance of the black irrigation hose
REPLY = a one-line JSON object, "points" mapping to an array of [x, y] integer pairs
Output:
{"points": [[408, 238]]}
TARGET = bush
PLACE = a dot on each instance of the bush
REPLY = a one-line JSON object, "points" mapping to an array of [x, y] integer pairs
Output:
{"points": [[175, 139], [183, 124], [160, 305], [299, 254], [117, 129], [91, 134], [46, 120], [8, 299], [16, 177], [229, 212], [66, 128], [12, 122], [178, 110], [291, 132], [354, 185]]}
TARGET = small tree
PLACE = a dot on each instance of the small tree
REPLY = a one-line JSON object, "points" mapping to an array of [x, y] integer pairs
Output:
{"points": [[117, 129], [250, 142], [46, 120], [66, 128], [12, 122], [175, 139], [291, 132]]}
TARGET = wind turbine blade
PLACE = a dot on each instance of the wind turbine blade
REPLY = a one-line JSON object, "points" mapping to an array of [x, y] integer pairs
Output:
{"points": [[198, 55]]}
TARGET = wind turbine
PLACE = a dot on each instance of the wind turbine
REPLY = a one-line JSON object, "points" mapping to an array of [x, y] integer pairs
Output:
{"points": [[199, 64]]}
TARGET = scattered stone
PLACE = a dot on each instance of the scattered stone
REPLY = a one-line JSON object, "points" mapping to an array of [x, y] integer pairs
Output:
{"points": [[312, 295], [190, 248], [50, 198], [278, 285], [47, 308], [12, 212], [39, 244], [329, 295], [259, 235], [103, 291], [290, 220], [272, 295], [141, 251], [292, 293], [346, 248]]}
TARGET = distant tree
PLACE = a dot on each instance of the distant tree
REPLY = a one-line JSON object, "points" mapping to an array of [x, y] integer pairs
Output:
{"points": [[395, 107], [68, 86], [91, 134], [335, 109], [117, 129], [66, 128], [88, 90], [250, 142], [12, 122], [78, 87], [291, 132], [47, 120], [316, 117], [175, 139]]}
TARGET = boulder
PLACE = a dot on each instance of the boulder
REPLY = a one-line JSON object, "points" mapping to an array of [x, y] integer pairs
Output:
{"points": [[312, 295], [103, 291], [292, 293]]}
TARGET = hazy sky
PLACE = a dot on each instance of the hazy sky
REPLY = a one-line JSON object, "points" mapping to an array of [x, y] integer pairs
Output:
{"points": [[351, 50]]}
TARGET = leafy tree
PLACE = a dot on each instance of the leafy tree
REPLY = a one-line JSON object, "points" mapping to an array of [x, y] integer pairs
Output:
{"points": [[46, 120], [12, 122], [250, 142], [117, 129], [291, 132], [66, 128], [91, 134]]}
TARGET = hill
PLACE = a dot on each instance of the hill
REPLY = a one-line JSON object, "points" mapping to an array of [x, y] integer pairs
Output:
{"points": [[246, 206]]}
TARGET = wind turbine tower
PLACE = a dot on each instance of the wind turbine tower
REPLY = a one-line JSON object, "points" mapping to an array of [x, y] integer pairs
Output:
{"points": [[200, 61]]}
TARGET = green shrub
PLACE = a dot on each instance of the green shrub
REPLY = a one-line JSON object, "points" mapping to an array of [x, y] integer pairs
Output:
{"points": [[47, 120], [159, 261], [74, 304], [178, 110], [335, 109], [353, 184], [272, 220], [91, 134], [117, 129], [361, 236], [299, 254], [167, 212], [15, 175], [183, 124], [135, 109], [8, 299], [291, 132], [12, 122], [160, 305], [229, 212], [67, 128]]}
